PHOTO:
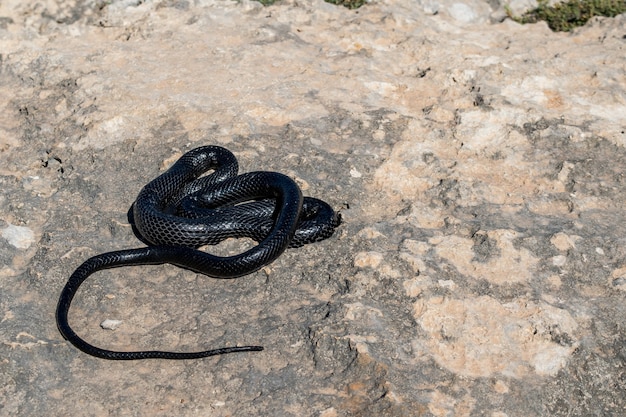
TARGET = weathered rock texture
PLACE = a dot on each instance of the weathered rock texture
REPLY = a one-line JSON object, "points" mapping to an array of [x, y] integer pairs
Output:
{"points": [[479, 166]]}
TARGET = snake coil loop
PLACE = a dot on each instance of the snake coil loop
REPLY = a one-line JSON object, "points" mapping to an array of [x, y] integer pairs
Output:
{"points": [[180, 210]]}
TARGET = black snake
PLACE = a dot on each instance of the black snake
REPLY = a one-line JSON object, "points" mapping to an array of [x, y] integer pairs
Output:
{"points": [[181, 210]]}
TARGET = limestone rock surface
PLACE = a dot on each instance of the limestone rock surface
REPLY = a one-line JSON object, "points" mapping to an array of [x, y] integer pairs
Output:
{"points": [[479, 166]]}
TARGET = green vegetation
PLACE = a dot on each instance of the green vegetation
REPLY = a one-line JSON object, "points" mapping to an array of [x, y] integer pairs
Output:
{"points": [[563, 17], [350, 4]]}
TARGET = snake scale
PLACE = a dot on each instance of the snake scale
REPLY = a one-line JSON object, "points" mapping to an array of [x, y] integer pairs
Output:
{"points": [[182, 210]]}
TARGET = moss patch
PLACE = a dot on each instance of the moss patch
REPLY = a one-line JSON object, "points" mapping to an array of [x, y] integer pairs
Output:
{"points": [[563, 17]]}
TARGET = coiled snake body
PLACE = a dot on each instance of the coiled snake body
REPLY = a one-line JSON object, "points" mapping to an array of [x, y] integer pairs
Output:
{"points": [[180, 211]]}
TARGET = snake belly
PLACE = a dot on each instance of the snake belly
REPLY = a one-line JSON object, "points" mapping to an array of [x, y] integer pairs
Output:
{"points": [[181, 210]]}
